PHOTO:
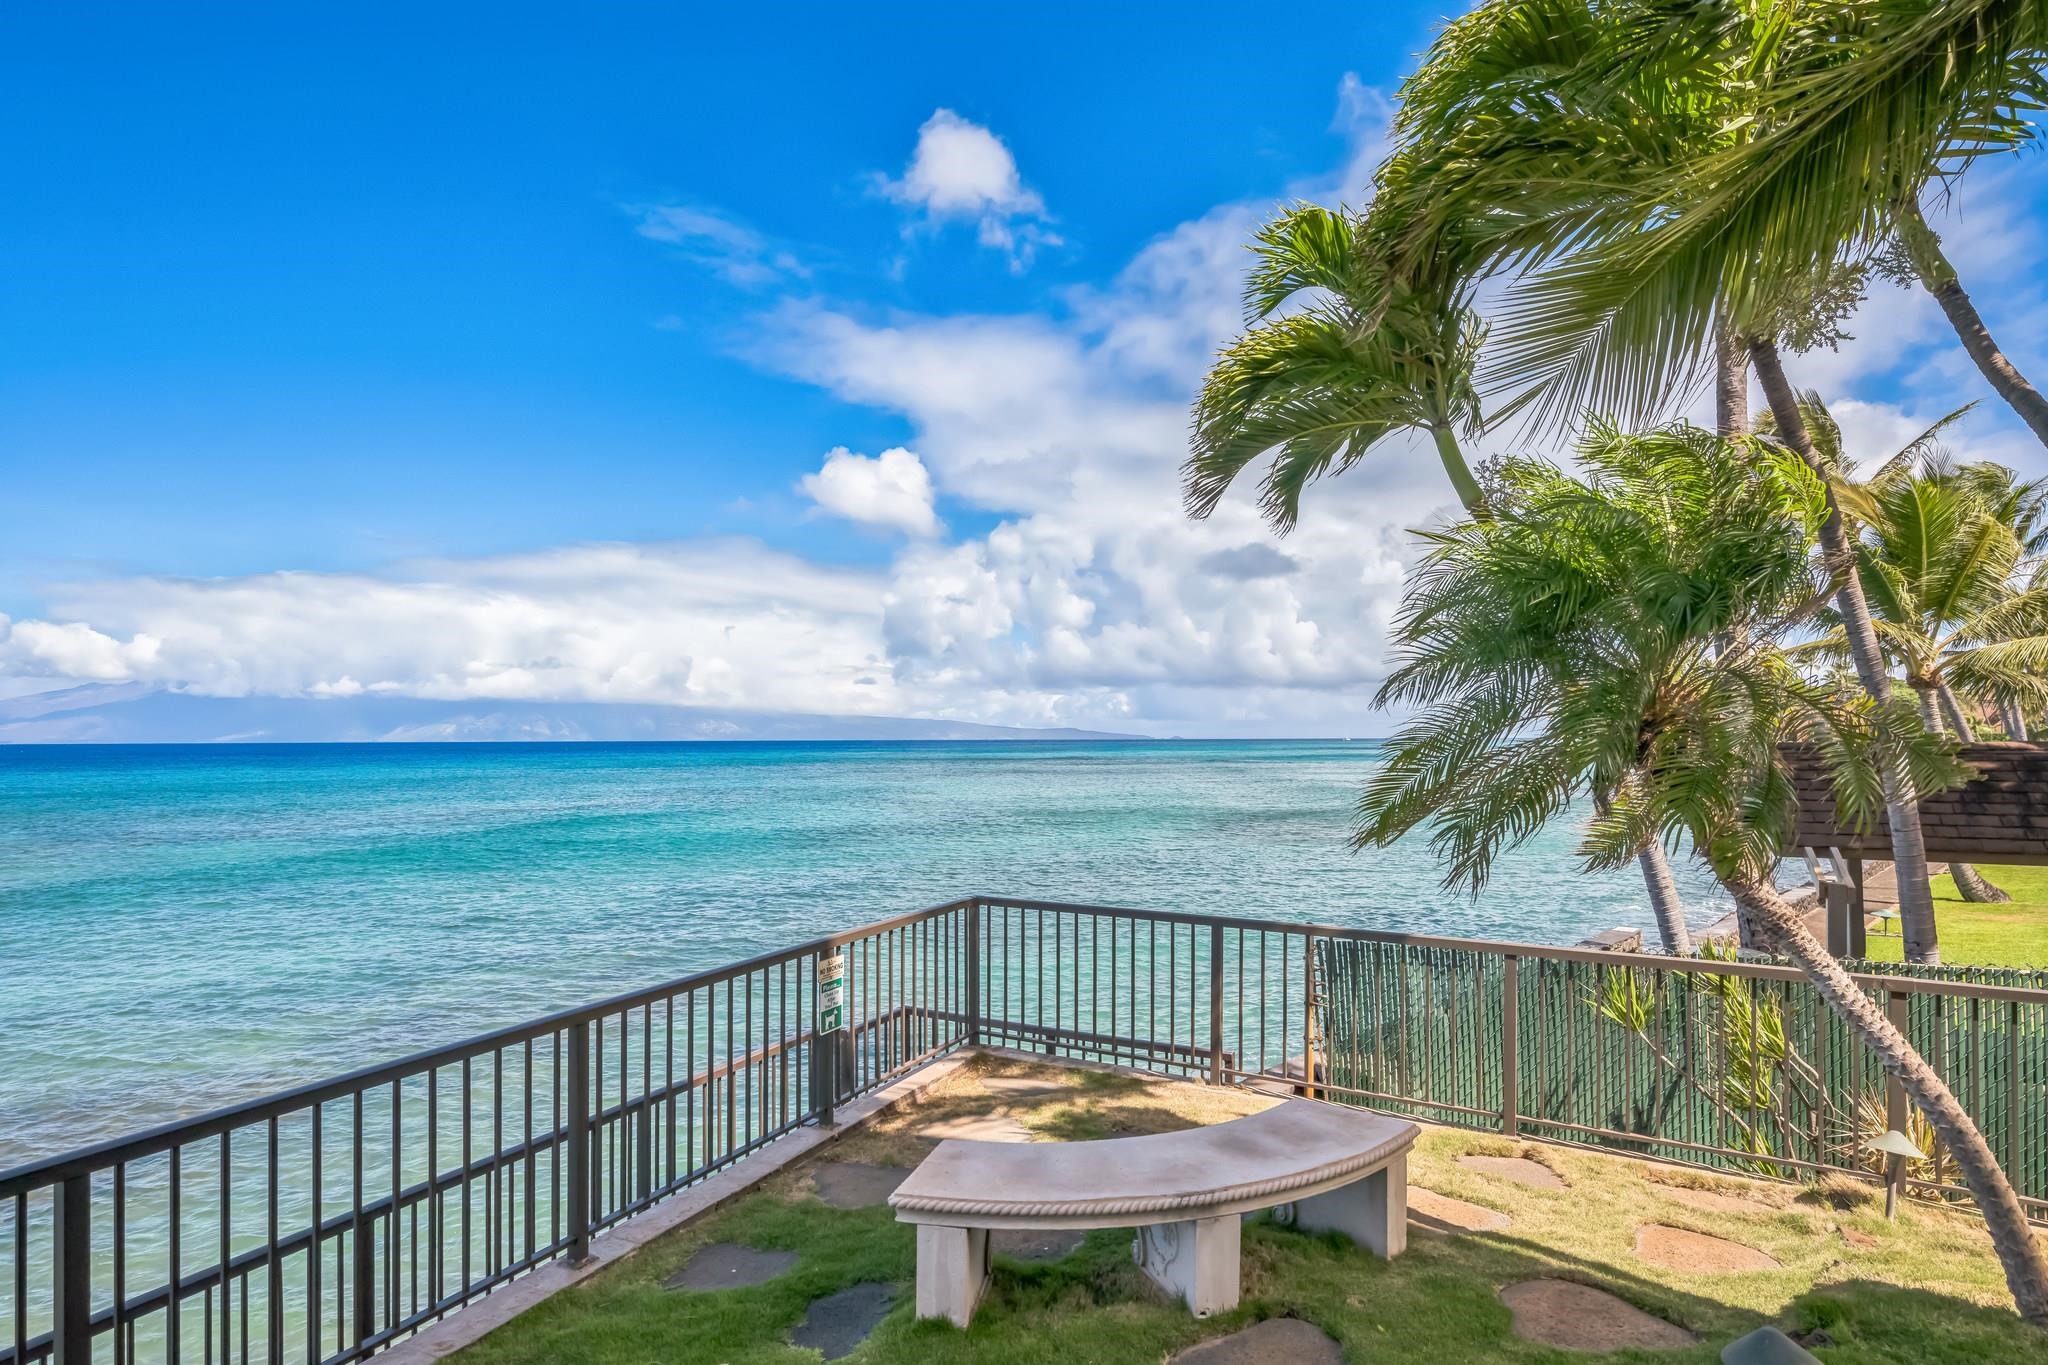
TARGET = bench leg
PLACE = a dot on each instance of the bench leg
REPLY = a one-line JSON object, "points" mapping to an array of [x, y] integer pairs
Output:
{"points": [[1372, 1212], [1197, 1261], [952, 1272]]}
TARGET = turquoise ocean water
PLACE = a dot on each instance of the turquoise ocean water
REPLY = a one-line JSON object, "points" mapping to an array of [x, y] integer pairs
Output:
{"points": [[184, 927]]}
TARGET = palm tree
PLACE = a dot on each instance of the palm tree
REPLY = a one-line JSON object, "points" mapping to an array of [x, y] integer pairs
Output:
{"points": [[1321, 386], [1588, 167], [1674, 538]]}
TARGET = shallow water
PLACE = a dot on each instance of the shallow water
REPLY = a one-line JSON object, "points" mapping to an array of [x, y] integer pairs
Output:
{"points": [[183, 927]]}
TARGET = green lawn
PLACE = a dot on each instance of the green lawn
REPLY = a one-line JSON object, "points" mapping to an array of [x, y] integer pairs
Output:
{"points": [[2014, 935], [1925, 1289]]}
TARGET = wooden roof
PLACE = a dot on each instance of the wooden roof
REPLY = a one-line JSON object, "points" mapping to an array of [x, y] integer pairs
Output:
{"points": [[1999, 816]]}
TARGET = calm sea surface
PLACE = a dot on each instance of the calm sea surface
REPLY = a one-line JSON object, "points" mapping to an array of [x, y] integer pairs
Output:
{"points": [[183, 927]]}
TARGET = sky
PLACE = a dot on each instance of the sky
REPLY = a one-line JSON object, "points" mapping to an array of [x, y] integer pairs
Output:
{"points": [[830, 360]]}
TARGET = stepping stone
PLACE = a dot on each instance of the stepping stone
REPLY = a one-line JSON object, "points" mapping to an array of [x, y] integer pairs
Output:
{"points": [[1433, 1212], [728, 1265], [1677, 1249], [1862, 1241], [1025, 1244], [980, 1127], [1716, 1200], [1767, 1346], [1015, 1087], [837, 1323], [1276, 1341], [1578, 1317], [857, 1185], [1519, 1169]]}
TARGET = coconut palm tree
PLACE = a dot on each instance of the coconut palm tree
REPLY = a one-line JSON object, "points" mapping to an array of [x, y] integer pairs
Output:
{"points": [[1586, 163], [1673, 539], [1320, 386]]}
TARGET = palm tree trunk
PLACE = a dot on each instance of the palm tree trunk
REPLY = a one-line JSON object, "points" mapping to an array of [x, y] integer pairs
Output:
{"points": [[1461, 473], [1971, 884], [1664, 901], [2026, 1270], [1923, 247], [2013, 717], [1902, 811], [1731, 383]]}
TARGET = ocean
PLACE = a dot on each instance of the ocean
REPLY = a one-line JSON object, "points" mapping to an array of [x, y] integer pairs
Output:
{"points": [[183, 927]]}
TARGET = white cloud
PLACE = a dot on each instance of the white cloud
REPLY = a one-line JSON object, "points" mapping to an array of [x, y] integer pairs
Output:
{"points": [[891, 489], [962, 172], [720, 243]]}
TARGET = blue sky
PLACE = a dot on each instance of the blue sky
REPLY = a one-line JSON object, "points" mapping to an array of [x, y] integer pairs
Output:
{"points": [[477, 352]]}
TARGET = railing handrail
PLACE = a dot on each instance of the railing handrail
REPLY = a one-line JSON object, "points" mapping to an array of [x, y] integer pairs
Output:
{"points": [[131, 1146], [1902, 985]]}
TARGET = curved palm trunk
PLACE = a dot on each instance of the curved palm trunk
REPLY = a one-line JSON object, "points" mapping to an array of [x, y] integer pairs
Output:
{"points": [[2026, 1270], [2013, 717], [1462, 480], [1971, 884], [1664, 901], [1923, 247], [1902, 810]]}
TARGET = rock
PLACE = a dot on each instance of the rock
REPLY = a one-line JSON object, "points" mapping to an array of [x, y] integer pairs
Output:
{"points": [[837, 1323], [1578, 1317], [857, 1185], [1678, 1249], [728, 1265], [1276, 1341], [1768, 1346], [1433, 1212], [1519, 1169]]}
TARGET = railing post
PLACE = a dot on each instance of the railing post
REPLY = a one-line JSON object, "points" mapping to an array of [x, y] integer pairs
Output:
{"points": [[1215, 1004], [824, 1048], [1897, 1007], [577, 1141], [1511, 1046], [363, 1277], [72, 1311], [974, 973], [1308, 1016]]}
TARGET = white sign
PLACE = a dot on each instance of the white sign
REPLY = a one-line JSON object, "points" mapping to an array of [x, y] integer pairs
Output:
{"points": [[832, 993]]}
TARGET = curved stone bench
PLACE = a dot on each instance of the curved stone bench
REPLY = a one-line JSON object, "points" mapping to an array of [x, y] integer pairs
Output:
{"points": [[1342, 1169]]}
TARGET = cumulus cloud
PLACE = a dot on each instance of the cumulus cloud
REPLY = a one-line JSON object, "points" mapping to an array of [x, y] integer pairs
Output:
{"points": [[962, 172], [720, 243], [892, 489]]}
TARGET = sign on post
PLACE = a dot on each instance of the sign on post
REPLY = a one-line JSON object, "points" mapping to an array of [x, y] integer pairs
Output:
{"points": [[832, 993]]}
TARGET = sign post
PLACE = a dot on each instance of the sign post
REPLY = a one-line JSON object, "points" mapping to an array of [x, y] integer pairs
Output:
{"points": [[831, 1019]]}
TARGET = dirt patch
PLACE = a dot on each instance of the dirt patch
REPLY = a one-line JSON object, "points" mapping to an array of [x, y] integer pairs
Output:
{"points": [[1025, 1244], [1678, 1249], [856, 1184], [837, 1323], [1276, 1341], [1717, 1199], [1578, 1317], [1862, 1241], [1023, 1087], [728, 1265], [1433, 1212], [1519, 1169], [979, 1127]]}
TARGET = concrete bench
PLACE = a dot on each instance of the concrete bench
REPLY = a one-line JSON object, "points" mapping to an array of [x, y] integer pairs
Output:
{"points": [[1342, 1170]]}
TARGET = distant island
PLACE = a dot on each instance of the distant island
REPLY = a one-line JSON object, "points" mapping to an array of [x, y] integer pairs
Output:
{"points": [[129, 713]]}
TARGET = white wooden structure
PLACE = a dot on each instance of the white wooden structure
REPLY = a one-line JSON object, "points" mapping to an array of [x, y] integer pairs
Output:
{"points": [[1341, 1170]]}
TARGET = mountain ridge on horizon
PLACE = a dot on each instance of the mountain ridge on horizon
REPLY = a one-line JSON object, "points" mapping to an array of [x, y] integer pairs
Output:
{"points": [[131, 713]]}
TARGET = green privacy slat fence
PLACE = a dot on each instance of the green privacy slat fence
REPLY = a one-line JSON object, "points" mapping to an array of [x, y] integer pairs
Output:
{"points": [[1421, 1030]]}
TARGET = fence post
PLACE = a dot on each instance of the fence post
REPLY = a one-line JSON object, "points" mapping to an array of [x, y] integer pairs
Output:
{"points": [[1510, 1046], [824, 1051], [577, 1140], [974, 973], [363, 1276], [1308, 1016], [72, 1310], [1215, 1004], [1897, 1008]]}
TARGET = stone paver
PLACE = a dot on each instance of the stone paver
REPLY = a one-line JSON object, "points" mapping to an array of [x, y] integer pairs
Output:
{"points": [[1678, 1249], [1276, 1341], [728, 1265], [1433, 1212], [1717, 1200], [856, 1184], [1578, 1317], [980, 1127], [837, 1323], [1025, 1244], [1519, 1169]]}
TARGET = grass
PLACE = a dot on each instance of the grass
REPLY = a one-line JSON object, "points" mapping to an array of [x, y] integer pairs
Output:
{"points": [[1926, 1289], [2014, 935]]}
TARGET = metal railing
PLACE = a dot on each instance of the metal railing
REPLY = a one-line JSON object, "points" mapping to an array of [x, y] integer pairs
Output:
{"points": [[326, 1222]]}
